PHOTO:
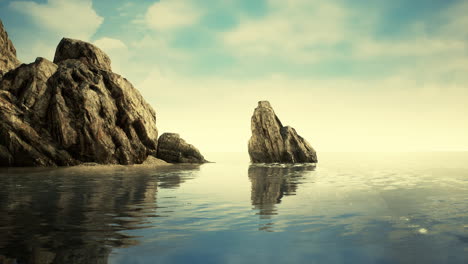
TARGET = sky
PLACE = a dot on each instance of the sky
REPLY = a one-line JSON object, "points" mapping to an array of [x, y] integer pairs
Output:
{"points": [[361, 75]]}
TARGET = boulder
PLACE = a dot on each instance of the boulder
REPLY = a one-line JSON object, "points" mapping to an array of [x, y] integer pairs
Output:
{"points": [[8, 60], [73, 111], [272, 142], [173, 149]]}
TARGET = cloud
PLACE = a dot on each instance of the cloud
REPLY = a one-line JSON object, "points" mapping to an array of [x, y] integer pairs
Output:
{"points": [[110, 44], [71, 18], [172, 14], [54, 20], [298, 30]]}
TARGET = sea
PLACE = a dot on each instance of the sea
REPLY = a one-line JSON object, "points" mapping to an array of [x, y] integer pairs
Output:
{"points": [[347, 208]]}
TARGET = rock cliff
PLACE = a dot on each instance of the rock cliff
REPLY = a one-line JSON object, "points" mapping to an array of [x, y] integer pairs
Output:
{"points": [[76, 110], [272, 142], [73, 110]]}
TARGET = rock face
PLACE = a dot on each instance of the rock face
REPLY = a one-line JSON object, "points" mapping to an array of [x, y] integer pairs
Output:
{"points": [[8, 60], [272, 142], [173, 149], [72, 110]]}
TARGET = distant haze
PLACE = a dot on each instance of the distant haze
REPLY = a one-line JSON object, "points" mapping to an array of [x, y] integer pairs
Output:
{"points": [[347, 75]]}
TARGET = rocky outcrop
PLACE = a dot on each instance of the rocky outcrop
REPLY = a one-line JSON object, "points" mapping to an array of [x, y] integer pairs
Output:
{"points": [[85, 52], [73, 110], [272, 142], [8, 60], [173, 149]]}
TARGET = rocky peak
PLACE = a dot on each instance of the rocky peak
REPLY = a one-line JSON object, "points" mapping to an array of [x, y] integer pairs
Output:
{"points": [[73, 112], [8, 60], [83, 51], [272, 142], [264, 104]]}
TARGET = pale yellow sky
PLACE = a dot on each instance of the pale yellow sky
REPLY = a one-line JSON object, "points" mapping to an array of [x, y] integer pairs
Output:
{"points": [[394, 114]]}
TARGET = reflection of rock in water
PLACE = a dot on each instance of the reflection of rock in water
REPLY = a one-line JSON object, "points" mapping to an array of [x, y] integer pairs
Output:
{"points": [[271, 182], [74, 215]]}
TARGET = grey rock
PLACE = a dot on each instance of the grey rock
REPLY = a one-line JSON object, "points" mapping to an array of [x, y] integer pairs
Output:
{"points": [[83, 51], [8, 60], [73, 111], [173, 149], [272, 142]]}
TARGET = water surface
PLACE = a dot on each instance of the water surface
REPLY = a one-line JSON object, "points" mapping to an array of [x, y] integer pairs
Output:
{"points": [[349, 208]]}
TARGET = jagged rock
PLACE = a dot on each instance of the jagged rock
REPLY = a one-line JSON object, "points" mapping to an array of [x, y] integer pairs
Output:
{"points": [[8, 60], [83, 51], [173, 149], [272, 142], [73, 112]]}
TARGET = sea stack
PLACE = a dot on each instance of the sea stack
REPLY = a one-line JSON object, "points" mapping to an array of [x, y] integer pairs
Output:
{"points": [[271, 142]]}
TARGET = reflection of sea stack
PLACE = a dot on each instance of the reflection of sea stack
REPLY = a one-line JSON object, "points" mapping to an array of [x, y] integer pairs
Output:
{"points": [[272, 142], [271, 183]]}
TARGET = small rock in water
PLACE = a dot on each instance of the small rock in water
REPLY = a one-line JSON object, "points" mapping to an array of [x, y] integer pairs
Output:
{"points": [[172, 148], [154, 161]]}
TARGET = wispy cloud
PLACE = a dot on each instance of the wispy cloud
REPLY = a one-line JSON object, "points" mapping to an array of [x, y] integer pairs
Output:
{"points": [[117, 50], [52, 21], [73, 18], [172, 14], [298, 30]]}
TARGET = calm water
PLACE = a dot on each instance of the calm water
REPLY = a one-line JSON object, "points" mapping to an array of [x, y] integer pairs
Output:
{"points": [[350, 208]]}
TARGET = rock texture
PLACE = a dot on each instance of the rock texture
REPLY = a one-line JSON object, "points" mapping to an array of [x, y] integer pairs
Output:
{"points": [[8, 60], [173, 149], [272, 142], [73, 110]]}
